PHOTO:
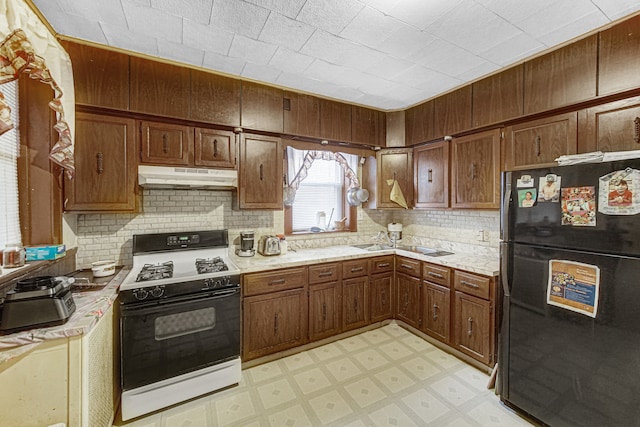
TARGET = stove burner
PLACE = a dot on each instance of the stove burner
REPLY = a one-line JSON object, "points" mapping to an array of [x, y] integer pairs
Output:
{"points": [[155, 271], [35, 284], [210, 265]]}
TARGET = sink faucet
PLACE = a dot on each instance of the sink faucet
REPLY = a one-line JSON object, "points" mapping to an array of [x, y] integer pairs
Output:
{"points": [[384, 237]]}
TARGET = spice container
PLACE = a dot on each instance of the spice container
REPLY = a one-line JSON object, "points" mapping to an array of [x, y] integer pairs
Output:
{"points": [[13, 255]]}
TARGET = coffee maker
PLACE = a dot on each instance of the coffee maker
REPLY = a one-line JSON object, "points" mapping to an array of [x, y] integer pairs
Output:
{"points": [[246, 244]]}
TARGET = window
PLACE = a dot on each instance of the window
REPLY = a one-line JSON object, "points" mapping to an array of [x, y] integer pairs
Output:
{"points": [[9, 149], [320, 196]]}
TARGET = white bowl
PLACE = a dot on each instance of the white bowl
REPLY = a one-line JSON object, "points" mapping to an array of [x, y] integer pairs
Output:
{"points": [[103, 268]]}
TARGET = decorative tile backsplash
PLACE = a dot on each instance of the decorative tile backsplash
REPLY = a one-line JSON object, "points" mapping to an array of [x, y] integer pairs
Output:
{"points": [[109, 236]]}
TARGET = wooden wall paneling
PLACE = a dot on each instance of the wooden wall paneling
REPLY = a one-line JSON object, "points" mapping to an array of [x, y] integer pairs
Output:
{"points": [[395, 129], [619, 57], [562, 77], [419, 125], [215, 98], [261, 107], [367, 126], [335, 120], [498, 97], [301, 114], [452, 112]]}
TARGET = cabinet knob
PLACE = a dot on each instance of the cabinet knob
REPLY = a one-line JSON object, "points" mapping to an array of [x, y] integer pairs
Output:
{"points": [[99, 163]]}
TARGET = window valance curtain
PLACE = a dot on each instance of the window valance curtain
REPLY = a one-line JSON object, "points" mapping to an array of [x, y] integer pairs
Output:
{"points": [[27, 46], [300, 161]]}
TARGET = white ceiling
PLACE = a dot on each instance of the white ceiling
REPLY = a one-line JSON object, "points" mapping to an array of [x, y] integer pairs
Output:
{"points": [[386, 54]]}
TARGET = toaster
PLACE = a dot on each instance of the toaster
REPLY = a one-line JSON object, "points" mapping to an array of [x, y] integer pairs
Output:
{"points": [[269, 245]]}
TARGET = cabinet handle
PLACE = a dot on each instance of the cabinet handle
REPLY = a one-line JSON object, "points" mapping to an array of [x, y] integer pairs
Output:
{"points": [[384, 264], [326, 274], [432, 274], [538, 146], [324, 311], [430, 175], [473, 170], [356, 269], [275, 324], [261, 172], [469, 284], [435, 312], [406, 266], [636, 130], [384, 297], [406, 300], [215, 148], [276, 282], [355, 304], [99, 163], [165, 144], [470, 324]]}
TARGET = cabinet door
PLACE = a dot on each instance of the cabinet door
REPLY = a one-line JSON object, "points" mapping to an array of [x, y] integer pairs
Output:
{"points": [[381, 297], [260, 173], [408, 299], [562, 77], [475, 171], [452, 112], [335, 120], [619, 57], [614, 126], [498, 97], [100, 76], [166, 144], [435, 315], [538, 143], [105, 160], [324, 310], [367, 126], [273, 322], [261, 107], [215, 148], [473, 327], [301, 114], [396, 164], [355, 304], [215, 99], [159, 88], [419, 125], [431, 175]]}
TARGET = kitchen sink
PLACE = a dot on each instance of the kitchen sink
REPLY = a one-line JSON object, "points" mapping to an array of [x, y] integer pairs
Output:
{"points": [[425, 251], [372, 247]]}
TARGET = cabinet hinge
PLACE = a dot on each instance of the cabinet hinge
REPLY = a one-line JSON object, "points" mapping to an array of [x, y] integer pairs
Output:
{"points": [[501, 135]]}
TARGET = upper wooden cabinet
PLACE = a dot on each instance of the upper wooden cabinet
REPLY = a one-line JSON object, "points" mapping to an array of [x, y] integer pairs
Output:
{"points": [[431, 175], [335, 120], [100, 76], [368, 126], [475, 171], [214, 148], [261, 107], [215, 99], [419, 123], [159, 88], [619, 58], [391, 164], [614, 126], [498, 97], [260, 178], [301, 114], [539, 142], [166, 144], [452, 112], [105, 160], [562, 77]]}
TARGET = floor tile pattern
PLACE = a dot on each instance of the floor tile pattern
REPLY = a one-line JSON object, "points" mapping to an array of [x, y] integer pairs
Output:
{"points": [[383, 377]]}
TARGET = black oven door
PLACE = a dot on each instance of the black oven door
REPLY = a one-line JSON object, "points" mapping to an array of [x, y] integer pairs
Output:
{"points": [[166, 339]]}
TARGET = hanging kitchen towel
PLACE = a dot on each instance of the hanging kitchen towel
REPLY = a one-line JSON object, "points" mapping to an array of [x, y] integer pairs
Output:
{"points": [[396, 193]]}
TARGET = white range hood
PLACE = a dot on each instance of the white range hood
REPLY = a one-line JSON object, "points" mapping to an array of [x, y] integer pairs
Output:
{"points": [[182, 177]]}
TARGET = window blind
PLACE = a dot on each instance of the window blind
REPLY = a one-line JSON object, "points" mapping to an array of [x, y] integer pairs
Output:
{"points": [[9, 151]]}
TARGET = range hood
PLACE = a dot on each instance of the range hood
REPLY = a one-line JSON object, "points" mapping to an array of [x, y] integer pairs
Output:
{"points": [[183, 177]]}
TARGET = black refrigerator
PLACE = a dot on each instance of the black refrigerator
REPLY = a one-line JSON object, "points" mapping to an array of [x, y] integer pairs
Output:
{"points": [[570, 270]]}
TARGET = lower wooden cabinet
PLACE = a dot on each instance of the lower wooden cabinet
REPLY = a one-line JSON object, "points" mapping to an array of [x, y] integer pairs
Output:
{"points": [[473, 327], [435, 311], [355, 304], [408, 299], [325, 299], [381, 292], [274, 322]]}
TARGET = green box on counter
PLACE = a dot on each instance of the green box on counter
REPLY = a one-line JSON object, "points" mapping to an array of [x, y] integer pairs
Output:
{"points": [[43, 253]]}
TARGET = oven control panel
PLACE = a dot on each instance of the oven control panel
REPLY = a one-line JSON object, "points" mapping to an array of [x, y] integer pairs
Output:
{"points": [[217, 282], [142, 294], [183, 239]]}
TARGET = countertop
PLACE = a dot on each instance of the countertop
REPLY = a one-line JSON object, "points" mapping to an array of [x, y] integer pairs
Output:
{"points": [[91, 304], [468, 261]]}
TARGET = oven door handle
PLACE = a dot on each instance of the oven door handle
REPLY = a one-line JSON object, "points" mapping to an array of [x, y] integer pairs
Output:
{"points": [[143, 308]]}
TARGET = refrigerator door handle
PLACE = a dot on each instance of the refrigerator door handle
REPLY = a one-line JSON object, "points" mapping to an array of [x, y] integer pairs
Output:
{"points": [[504, 274], [506, 205]]}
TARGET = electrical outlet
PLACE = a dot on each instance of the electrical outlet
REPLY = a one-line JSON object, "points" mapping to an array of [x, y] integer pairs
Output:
{"points": [[483, 236]]}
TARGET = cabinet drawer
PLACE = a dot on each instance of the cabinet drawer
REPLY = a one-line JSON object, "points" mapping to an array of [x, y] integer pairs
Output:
{"points": [[408, 266], [436, 274], [355, 268], [382, 264], [472, 284], [323, 273], [273, 281]]}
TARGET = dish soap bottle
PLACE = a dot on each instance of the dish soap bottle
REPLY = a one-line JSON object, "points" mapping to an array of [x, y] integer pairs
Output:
{"points": [[283, 244]]}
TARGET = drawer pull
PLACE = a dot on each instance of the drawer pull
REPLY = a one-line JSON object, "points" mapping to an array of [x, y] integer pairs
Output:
{"points": [[406, 266], [469, 284], [435, 312], [432, 274], [470, 323], [326, 274], [356, 269], [276, 282], [384, 264]]}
